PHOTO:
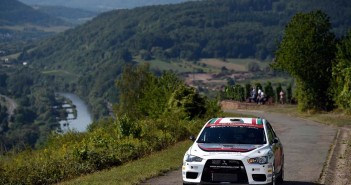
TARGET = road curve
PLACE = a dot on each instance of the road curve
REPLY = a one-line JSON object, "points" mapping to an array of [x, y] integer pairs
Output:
{"points": [[306, 145]]}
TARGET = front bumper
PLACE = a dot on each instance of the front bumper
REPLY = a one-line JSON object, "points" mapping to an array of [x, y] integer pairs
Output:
{"points": [[214, 171]]}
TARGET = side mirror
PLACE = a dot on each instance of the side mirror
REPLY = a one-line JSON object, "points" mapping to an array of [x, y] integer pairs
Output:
{"points": [[275, 140], [192, 138]]}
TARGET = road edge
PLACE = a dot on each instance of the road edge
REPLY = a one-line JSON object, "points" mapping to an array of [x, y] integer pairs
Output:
{"points": [[326, 165]]}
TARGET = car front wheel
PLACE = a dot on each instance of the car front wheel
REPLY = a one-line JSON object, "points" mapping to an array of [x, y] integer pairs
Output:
{"points": [[274, 177], [280, 178]]}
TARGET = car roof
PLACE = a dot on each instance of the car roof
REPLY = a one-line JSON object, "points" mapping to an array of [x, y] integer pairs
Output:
{"points": [[236, 121]]}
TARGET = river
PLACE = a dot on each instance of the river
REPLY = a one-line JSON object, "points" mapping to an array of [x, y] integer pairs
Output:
{"points": [[83, 118]]}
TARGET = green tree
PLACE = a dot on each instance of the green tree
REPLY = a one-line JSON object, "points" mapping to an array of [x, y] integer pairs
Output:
{"points": [[186, 102], [239, 93], [289, 93], [342, 74], [130, 85], [268, 90], [306, 52], [157, 93], [247, 90]]}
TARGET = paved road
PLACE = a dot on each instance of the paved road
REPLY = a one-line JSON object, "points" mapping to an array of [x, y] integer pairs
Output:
{"points": [[306, 146]]}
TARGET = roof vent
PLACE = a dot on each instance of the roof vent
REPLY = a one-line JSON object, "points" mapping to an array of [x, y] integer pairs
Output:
{"points": [[236, 120]]}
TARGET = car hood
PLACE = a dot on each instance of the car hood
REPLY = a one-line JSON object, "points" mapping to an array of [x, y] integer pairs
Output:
{"points": [[217, 147]]}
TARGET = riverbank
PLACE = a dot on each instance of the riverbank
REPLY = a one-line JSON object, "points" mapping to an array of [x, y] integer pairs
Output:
{"points": [[78, 114]]}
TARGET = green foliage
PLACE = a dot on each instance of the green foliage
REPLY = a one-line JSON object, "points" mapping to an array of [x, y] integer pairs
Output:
{"points": [[306, 52], [236, 93], [108, 143], [201, 29], [248, 90], [268, 90], [342, 74], [289, 93], [186, 102], [131, 87], [153, 93], [258, 86]]}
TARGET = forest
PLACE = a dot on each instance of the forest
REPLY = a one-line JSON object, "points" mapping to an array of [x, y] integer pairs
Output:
{"points": [[187, 31]]}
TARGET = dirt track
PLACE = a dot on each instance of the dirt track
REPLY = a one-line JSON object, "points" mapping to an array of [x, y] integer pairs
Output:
{"points": [[306, 146]]}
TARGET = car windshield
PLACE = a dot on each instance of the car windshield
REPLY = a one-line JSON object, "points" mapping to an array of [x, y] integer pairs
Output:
{"points": [[233, 135]]}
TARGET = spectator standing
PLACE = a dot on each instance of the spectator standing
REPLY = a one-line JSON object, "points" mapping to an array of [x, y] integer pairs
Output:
{"points": [[281, 94]]}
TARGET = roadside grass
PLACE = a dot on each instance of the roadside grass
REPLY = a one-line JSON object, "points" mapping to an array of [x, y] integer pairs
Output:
{"points": [[137, 171]]}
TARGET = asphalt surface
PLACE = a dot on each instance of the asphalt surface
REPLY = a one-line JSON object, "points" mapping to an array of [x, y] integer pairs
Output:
{"points": [[306, 145]]}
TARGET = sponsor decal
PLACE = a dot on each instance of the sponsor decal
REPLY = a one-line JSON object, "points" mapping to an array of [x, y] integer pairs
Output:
{"points": [[213, 120], [226, 148]]}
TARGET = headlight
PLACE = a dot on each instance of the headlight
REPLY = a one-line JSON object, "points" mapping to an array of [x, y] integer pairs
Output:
{"points": [[258, 160], [193, 158]]}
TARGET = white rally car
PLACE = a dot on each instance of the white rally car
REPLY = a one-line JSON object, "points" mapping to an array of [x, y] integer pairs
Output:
{"points": [[235, 151]]}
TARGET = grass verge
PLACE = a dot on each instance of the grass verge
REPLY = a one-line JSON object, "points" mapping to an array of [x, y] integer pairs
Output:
{"points": [[137, 171]]}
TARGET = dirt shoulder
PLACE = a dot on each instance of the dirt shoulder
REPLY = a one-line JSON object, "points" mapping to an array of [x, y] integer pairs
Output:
{"points": [[338, 169]]}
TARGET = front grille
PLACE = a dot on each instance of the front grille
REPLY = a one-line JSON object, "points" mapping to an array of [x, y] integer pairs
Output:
{"points": [[191, 175], [219, 170], [259, 177]]}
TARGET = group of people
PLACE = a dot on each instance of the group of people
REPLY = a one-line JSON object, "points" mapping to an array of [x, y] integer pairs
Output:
{"points": [[260, 98], [257, 96]]}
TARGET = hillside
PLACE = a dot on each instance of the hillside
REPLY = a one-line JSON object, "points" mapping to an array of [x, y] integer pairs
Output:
{"points": [[21, 24], [205, 29], [100, 5], [96, 50], [13, 12], [72, 15]]}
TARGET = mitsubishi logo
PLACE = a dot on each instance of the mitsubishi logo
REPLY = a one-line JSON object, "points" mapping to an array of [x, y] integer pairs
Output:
{"points": [[224, 163]]}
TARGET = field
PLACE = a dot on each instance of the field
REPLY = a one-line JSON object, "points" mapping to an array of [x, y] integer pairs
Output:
{"points": [[213, 74]]}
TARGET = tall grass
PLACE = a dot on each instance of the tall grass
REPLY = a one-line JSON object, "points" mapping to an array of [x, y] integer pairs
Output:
{"points": [[73, 154]]}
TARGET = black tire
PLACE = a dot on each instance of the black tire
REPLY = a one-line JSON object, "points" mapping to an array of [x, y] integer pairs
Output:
{"points": [[274, 177], [280, 178]]}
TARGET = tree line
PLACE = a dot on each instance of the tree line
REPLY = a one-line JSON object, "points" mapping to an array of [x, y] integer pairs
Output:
{"points": [[318, 61]]}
